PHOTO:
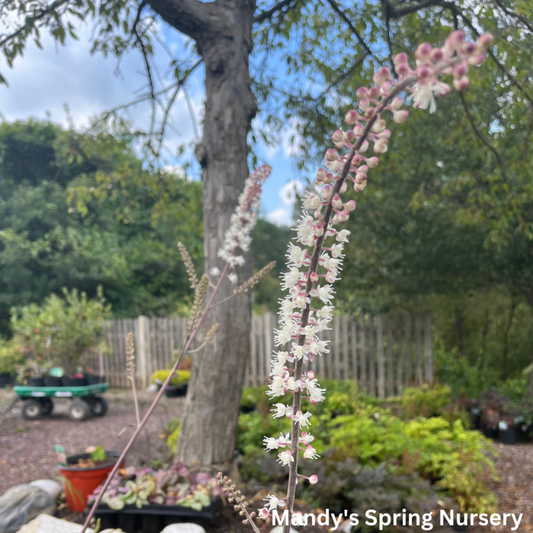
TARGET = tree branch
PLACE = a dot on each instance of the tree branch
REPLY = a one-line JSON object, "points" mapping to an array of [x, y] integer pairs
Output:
{"points": [[191, 17], [396, 13], [267, 15], [514, 15], [345, 18], [30, 22]]}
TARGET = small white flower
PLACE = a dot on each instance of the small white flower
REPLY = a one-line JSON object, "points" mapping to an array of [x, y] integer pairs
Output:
{"points": [[272, 502], [285, 458], [233, 277], [302, 419], [263, 514], [270, 443], [214, 271], [342, 236], [279, 410], [306, 438], [310, 453]]}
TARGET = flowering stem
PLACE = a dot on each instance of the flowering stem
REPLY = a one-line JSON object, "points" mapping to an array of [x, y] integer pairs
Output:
{"points": [[313, 267], [135, 401], [140, 426]]}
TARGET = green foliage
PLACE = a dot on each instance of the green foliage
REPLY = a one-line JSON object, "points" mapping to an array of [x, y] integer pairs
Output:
{"points": [[417, 434], [62, 330], [10, 356], [172, 431], [182, 376], [97, 455]]}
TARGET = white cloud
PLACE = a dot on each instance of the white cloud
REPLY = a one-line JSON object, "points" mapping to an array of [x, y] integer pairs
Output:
{"points": [[282, 216], [42, 82]]}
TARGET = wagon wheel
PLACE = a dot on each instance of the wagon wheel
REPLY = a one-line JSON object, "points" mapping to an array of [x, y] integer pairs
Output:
{"points": [[98, 407], [31, 410], [47, 405], [79, 410]]}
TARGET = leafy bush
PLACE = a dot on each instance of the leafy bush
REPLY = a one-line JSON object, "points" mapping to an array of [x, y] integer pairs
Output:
{"points": [[376, 434], [10, 356], [172, 433], [183, 376], [62, 330]]}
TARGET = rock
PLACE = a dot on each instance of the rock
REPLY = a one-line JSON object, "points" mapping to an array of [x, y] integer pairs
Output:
{"points": [[48, 524], [49, 486], [279, 529], [184, 528], [151, 388], [23, 503]]}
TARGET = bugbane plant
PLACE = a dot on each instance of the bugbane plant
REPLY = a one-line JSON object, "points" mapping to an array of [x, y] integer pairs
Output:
{"points": [[315, 258], [237, 241]]}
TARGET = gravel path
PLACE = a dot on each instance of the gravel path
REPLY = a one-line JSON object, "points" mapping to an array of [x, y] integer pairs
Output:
{"points": [[27, 447]]}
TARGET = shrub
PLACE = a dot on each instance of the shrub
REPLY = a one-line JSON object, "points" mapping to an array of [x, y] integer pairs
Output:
{"points": [[182, 376], [10, 356]]}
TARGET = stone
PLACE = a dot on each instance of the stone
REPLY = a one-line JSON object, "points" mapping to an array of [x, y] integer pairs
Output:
{"points": [[49, 524], [23, 503], [152, 388], [49, 486], [184, 528]]}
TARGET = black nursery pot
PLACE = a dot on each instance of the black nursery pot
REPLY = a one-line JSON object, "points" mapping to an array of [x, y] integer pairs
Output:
{"points": [[509, 436], [94, 380], [491, 433], [53, 382], [175, 392], [36, 382], [5, 379], [74, 382]]}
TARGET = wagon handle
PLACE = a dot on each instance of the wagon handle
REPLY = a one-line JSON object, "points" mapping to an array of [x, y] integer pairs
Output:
{"points": [[10, 406]]}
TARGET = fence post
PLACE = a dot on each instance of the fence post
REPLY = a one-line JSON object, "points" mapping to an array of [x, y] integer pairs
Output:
{"points": [[143, 327]]}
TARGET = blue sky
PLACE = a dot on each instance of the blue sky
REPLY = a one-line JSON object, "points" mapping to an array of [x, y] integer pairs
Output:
{"points": [[42, 82]]}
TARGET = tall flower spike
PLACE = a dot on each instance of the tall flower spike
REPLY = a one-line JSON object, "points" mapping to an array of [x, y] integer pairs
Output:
{"points": [[315, 262]]}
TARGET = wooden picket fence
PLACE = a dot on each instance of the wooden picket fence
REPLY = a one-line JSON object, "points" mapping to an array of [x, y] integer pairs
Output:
{"points": [[381, 354]]}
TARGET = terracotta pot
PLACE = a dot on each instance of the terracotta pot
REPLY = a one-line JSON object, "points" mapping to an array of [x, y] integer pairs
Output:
{"points": [[81, 482]]}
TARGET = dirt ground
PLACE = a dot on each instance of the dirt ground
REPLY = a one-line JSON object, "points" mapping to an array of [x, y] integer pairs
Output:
{"points": [[27, 453], [27, 447]]}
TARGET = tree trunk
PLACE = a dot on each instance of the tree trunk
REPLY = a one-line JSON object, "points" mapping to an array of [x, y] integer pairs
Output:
{"points": [[209, 424]]}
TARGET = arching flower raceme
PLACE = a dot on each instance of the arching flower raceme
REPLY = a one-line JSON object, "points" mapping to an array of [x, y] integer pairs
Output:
{"points": [[314, 261]]}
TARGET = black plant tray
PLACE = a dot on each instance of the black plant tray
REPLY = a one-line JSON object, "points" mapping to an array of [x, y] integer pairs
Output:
{"points": [[152, 518]]}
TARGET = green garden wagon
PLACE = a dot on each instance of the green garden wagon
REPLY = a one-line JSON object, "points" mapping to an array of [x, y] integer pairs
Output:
{"points": [[38, 401]]}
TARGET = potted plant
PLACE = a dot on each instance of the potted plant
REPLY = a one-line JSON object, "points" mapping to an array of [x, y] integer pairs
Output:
{"points": [[508, 429], [83, 472], [178, 384], [161, 497]]}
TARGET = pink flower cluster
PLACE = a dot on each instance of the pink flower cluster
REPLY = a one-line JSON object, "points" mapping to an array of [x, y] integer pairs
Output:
{"points": [[315, 259]]}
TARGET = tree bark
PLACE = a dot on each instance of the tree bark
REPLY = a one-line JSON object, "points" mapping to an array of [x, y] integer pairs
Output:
{"points": [[209, 424]]}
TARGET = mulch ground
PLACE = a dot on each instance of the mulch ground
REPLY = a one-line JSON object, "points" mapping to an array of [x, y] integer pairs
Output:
{"points": [[27, 453]]}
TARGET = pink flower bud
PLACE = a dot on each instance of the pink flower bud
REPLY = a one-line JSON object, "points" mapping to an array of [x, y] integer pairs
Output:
{"points": [[381, 146], [338, 136], [344, 216], [356, 159], [336, 202], [423, 51], [363, 168], [326, 192], [462, 84], [343, 188], [400, 116], [385, 134], [313, 479], [360, 177], [358, 187], [372, 162], [317, 214], [330, 276], [386, 87], [379, 126], [374, 93], [403, 69], [364, 104], [350, 205], [349, 136], [436, 55], [321, 174], [476, 60], [459, 70], [332, 155], [468, 48], [362, 93], [455, 39], [264, 514], [351, 117], [397, 103], [382, 75], [423, 73], [370, 112], [364, 147], [329, 178], [318, 231], [401, 59], [484, 41]]}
